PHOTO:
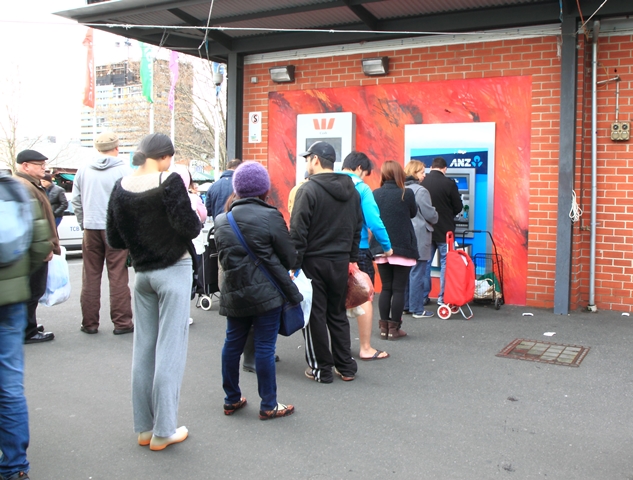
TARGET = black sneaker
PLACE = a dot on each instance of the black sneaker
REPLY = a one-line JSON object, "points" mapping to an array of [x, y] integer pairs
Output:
{"points": [[18, 476]]}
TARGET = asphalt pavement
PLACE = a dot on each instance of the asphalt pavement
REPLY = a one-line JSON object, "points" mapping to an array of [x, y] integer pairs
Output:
{"points": [[443, 406]]}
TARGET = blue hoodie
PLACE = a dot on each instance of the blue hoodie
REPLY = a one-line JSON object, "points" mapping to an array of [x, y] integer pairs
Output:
{"points": [[371, 215]]}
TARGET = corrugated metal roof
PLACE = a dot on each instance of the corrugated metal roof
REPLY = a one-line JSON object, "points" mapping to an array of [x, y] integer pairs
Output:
{"points": [[393, 18]]}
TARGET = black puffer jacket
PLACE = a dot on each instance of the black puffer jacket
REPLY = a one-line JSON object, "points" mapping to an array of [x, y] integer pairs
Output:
{"points": [[246, 290]]}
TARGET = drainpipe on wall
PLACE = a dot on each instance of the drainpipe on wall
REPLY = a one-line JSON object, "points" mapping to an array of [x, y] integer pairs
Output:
{"points": [[594, 159]]}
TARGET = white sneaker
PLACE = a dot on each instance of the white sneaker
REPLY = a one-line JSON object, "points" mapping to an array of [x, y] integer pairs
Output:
{"points": [[190, 321], [424, 314]]}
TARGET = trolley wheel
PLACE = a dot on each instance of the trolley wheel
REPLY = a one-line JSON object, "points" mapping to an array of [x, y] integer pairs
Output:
{"points": [[497, 303], [454, 309], [206, 302], [444, 312]]}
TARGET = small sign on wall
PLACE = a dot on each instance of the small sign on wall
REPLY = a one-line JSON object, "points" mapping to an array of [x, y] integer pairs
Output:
{"points": [[255, 127]]}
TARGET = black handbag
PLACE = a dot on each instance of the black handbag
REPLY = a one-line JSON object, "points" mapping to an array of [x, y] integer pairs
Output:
{"points": [[292, 319]]}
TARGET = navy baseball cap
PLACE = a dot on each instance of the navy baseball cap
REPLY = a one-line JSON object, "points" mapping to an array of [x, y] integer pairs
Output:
{"points": [[322, 149]]}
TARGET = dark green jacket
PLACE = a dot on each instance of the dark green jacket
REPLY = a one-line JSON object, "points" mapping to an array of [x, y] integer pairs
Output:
{"points": [[14, 279]]}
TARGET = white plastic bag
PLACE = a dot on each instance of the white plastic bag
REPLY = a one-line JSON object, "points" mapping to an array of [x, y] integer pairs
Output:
{"points": [[304, 284], [57, 282]]}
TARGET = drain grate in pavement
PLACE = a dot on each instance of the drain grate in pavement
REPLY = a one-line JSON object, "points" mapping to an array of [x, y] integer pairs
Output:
{"points": [[545, 352]]}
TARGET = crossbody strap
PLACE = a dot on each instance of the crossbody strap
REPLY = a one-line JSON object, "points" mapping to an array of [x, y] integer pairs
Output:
{"points": [[255, 258]]}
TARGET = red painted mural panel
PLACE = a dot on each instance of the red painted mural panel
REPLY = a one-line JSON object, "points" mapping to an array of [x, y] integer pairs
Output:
{"points": [[381, 113]]}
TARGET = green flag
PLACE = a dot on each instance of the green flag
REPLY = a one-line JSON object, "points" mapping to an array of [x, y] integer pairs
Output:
{"points": [[147, 72]]}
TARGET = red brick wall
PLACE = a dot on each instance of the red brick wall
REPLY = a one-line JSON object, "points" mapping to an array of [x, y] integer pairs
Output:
{"points": [[537, 57]]}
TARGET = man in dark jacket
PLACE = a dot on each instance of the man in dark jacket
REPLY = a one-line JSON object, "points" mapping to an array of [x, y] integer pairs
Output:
{"points": [[448, 203], [57, 197], [325, 225], [14, 293], [221, 190], [31, 170]]}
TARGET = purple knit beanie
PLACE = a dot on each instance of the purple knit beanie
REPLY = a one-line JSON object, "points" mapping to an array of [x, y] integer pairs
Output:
{"points": [[250, 180]]}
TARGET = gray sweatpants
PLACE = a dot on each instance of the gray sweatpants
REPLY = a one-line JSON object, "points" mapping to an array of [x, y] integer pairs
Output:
{"points": [[161, 314]]}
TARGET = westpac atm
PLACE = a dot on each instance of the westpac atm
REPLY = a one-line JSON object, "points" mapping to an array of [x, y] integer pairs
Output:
{"points": [[337, 129], [465, 180]]}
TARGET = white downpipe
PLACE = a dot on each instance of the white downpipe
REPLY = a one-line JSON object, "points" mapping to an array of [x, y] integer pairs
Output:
{"points": [[594, 160]]}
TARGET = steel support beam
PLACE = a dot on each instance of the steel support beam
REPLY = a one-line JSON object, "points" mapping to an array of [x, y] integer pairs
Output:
{"points": [[566, 161], [234, 105]]}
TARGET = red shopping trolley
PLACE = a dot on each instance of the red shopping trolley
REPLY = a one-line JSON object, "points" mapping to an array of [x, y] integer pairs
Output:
{"points": [[459, 281]]}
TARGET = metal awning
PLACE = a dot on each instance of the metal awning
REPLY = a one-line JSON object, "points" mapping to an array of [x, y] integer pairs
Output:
{"points": [[246, 27]]}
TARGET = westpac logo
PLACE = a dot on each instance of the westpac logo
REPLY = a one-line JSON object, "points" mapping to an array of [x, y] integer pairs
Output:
{"points": [[323, 123]]}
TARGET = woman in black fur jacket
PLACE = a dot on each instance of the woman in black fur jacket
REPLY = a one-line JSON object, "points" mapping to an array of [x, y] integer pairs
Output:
{"points": [[150, 214], [397, 207]]}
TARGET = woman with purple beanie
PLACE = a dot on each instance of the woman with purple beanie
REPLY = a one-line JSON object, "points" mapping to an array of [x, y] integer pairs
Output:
{"points": [[248, 297]]}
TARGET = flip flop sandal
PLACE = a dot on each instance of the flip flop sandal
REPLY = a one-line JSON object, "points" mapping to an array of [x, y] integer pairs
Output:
{"points": [[375, 356]]}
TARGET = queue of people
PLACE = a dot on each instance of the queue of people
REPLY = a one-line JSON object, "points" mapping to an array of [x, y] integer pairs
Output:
{"points": [[150, 215]]}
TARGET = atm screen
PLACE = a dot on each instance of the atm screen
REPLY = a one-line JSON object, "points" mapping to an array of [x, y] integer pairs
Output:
{"points": [[462, 182]]}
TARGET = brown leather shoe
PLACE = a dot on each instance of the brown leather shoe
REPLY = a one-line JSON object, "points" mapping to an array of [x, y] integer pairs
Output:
{"points": [[231, 408], [90, 331], [280, 410]]}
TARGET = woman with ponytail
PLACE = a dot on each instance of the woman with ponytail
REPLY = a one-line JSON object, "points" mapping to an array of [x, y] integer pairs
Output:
{"points": [[150, 214], [397, 207]]}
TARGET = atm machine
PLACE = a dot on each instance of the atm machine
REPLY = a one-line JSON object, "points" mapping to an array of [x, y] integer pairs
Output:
{"points": [[465, 180]]}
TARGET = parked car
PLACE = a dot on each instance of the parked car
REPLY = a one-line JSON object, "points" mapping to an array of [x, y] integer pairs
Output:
{"points": [[70, 234]]}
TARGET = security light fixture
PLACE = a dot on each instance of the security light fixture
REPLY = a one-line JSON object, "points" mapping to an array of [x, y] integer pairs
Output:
{"points": [[284, 74], [375, 66]]}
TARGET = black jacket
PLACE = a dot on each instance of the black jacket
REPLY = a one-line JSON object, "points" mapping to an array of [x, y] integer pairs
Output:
{"points": [[246, 290], [156, 225], [326, 218], [57, 197], [446, 200], [396, 213]]}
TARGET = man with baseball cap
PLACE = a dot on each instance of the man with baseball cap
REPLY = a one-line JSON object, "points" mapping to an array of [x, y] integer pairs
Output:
{"points": [[91, 193], [31, 170], [325, 225]]}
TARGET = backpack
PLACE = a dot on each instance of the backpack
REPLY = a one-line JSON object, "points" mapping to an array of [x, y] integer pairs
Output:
{"points": [[16, 220]]}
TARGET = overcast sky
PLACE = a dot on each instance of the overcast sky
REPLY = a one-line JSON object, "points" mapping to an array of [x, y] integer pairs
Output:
{"points": [[43, 75]]}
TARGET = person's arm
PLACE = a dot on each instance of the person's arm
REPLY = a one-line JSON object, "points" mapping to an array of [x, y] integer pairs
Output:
{"points": [[209, 202], [63, 202], [41, 246], [456, 199], [300, 223], [113, 235], [180, 215], [423, 199], [76, 201], [409, 198], [353, 255], [371, 214], [281, 241]]}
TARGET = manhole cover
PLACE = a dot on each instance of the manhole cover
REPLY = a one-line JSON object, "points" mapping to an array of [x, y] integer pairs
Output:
{"points": [[545, 352]]}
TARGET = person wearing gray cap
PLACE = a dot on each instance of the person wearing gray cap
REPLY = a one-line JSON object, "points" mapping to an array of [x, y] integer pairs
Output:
{"points": [[325, 225], [31, 171], [91, 192]]}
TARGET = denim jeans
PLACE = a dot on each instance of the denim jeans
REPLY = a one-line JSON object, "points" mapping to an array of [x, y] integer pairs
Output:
{"points": [[417, 278], [265, 329], [14, 419], [443, 248]]}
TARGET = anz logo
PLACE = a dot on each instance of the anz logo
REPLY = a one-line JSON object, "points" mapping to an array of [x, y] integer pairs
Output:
{"points": [[323, 123], [466, 162]]}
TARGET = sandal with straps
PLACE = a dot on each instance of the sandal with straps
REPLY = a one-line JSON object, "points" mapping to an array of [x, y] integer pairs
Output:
{"points": [[280, 410]]}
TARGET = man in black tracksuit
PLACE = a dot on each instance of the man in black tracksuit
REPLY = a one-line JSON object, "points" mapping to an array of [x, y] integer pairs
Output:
{"points": [[325, 225], [447, 201]]}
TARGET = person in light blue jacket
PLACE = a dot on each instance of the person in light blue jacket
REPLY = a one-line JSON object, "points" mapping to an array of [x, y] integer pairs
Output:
{"points": [[358, 166]]}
